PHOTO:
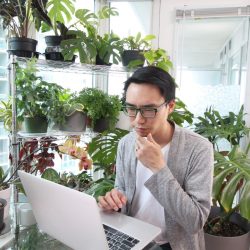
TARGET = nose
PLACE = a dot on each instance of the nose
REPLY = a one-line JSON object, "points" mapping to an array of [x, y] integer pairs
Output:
{"points": [[139, 118]]}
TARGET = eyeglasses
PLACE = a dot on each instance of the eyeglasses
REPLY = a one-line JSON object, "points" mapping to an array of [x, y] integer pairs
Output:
{"points": [[146, 112]]}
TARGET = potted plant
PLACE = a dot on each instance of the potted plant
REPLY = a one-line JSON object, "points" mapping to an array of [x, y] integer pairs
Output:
{"points": [[17, 18], [35, 98], [80, 182], [158, 58], [108, 49], [5, 189], [133, 48], [102, 109], [226, 227], [3, 203], [85, 39], [215, 127], [53, 15]]}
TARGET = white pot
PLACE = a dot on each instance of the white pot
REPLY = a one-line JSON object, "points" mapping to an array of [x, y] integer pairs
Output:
{"points": [[5, 194]]}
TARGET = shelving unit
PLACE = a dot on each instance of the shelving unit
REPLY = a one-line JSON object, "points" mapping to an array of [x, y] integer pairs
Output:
{"points": [[98, 72], [4, 92]]}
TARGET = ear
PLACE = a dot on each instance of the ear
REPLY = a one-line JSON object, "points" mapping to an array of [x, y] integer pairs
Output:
{"points": [[171, 106]]}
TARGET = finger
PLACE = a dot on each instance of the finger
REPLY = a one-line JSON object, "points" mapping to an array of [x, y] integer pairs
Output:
{"points": [[112, 203], [124, 199], [117, 197], [103, 204], [150, 138]]}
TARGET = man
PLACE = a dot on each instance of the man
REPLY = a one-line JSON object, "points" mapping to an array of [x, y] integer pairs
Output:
{"points": [[163, 171]]}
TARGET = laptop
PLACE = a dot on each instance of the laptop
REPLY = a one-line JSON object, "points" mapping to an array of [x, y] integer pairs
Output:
{"points": [[74, 218]]}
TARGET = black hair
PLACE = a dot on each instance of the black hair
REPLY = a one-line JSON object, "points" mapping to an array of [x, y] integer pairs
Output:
{"points": [[155, 76]]}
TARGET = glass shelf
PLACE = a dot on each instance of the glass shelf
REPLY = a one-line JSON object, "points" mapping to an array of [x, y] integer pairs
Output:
{"points": [[78, 68], [85, 136]]}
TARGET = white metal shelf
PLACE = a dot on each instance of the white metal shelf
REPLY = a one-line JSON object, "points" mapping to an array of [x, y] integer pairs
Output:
{"points": [[78, 68]]}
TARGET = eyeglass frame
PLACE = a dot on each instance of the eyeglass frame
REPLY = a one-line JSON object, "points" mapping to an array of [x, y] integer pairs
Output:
{"points": [[155, 109]]}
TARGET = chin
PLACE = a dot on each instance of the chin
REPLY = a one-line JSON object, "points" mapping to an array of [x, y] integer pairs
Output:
{"points": [[142, 132]]}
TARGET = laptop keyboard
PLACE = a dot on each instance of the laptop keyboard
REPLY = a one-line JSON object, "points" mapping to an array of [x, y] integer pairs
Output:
{"points": [[118, 240]]}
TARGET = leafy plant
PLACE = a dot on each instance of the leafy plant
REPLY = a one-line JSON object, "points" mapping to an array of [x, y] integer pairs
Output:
{"points": [[53, 15], [108, 48], [181, 114], [231, 188], [80, 182], [35, 97], [6, 113], [4, 180], [99, 105], [231, 127], [137, 42], [85, 39], [101, 186], [103, 149], [17, 16], [158, 58], [37, 155]]}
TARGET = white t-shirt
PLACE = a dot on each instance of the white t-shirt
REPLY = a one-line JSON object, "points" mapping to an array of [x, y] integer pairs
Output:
{"points": [[144, 206]]}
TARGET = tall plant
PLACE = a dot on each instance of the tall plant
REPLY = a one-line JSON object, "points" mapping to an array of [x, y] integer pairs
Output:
{"points": [[16, 16], [53, 15]]}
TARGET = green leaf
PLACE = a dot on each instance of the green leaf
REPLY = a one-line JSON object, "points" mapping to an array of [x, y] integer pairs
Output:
{"points": [[229, 191], [51, 175], [245, 201]]}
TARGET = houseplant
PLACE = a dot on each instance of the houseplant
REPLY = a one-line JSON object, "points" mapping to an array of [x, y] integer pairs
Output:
{"points": [[108, 48], [35, 98], [85, 39], [133, 48], [53, 15], [66, 113], [159, 58], [101, 108], [6, 113], [17, 18], [5, 189], [231, 183]]}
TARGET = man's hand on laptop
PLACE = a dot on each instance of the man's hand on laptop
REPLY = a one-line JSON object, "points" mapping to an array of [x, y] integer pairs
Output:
{"points": [[113, 200]]}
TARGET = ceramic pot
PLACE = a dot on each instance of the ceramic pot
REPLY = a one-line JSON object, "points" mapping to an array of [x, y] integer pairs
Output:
{"points": [[229, 243]]}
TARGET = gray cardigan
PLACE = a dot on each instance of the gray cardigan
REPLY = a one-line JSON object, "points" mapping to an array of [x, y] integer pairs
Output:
{"points": [[183, 187]]}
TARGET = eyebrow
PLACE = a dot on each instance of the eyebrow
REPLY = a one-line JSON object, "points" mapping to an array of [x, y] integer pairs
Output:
{"points": [[145, 106]]}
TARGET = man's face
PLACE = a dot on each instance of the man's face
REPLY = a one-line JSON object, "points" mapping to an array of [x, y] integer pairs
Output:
{"points": [[148, 95]]}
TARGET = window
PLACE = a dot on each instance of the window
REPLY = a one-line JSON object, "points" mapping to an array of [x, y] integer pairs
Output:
{"points": [[210, 62]]}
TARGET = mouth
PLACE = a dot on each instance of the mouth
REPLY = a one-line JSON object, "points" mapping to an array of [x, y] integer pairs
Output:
{"points": [[141, 130]]}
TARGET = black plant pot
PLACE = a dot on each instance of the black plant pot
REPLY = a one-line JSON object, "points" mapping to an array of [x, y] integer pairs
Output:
{"points": [[101, 125], [57, 56], [99, 61], [23, 47], [3, 203], [37, 124], [52, 41], [131, 55]]}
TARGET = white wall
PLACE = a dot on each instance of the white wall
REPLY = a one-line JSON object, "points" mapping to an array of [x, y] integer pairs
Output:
{"points": [[164, 28]]}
